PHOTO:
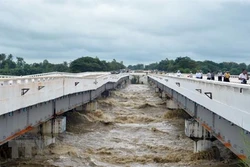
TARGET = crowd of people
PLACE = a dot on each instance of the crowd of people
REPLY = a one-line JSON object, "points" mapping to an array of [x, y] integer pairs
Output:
{"points": [[243, 77]]}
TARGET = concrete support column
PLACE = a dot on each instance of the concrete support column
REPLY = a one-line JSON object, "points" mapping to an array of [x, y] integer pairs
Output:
{"points": [[128, 82], [106, 93], [39, 137], [59, 125], [14, 149], [46, 128], [123, 84], [157, 90], [47, 140], [201, 137], [91, 106], [26, 144], [163, 95], [47, 132], [202, 145], [28, 149], [80, 108], [171, 104]]}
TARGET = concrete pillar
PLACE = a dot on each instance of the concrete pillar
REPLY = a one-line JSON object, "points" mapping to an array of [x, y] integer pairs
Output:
{"points": [[163, 95], [202, 145], [59, 125], [47, 128], [47, 140], [123, 84], [47, 131], [91, 106], [39, 138], [143, 79], [80, 108], [201, 137], [157, 90], [28, 149], [26, 144], [106, 93], [14, 149], [172, 105]]}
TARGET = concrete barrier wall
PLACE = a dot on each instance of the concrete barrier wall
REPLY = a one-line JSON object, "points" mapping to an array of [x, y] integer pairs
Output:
{"points": [[19, 92]]}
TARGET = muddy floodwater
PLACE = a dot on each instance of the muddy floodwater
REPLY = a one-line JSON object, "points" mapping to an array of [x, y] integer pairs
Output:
{"points": [[131, 128]]}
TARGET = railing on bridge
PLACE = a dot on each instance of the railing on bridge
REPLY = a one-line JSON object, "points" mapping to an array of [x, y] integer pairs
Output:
{"points": [[229, 100]]}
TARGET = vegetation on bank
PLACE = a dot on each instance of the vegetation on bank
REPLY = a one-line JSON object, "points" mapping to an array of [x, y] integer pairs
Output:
{"points": [[187, 65], [17, 66]]}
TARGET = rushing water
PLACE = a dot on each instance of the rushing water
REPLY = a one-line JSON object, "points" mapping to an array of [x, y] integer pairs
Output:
{"points": [[131, 128]]}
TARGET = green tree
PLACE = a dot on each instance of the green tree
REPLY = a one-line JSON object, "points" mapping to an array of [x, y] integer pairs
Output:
{"points": [[84, 64]]}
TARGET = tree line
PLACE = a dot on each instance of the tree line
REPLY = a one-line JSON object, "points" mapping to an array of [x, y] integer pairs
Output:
{"points": [[17, 66], [187, 65]]}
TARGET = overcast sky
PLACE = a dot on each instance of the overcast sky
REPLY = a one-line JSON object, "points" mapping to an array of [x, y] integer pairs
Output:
{"points": [[132, 31]]}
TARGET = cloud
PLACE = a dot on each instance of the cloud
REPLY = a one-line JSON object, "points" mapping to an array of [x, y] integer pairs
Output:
{"points": [[139, 31]]}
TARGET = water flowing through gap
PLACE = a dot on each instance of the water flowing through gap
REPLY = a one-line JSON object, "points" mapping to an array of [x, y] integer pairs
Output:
{"points": [[130, 128]]}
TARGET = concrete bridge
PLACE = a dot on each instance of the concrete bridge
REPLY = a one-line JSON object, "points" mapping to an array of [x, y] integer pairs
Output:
{"points": [[219, 110], [34, 104]]}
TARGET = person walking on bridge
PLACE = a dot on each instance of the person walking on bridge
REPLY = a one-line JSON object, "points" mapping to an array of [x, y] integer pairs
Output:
{"points": [[227, 76], [243, 76], [198, 75], [219, 76], [212, 75], [208, 75]]}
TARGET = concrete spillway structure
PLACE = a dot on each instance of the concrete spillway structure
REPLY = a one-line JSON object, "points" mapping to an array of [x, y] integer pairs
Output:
{"points": [[34, 104], [218, 110]]}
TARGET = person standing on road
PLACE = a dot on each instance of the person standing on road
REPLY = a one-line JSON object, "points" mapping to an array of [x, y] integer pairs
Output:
{"points": [[212, 75], [197, 75], [190, 75], [227, 76], [243, 76], [208, 75], [201, 75], [178, 73], [219, 76]]}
